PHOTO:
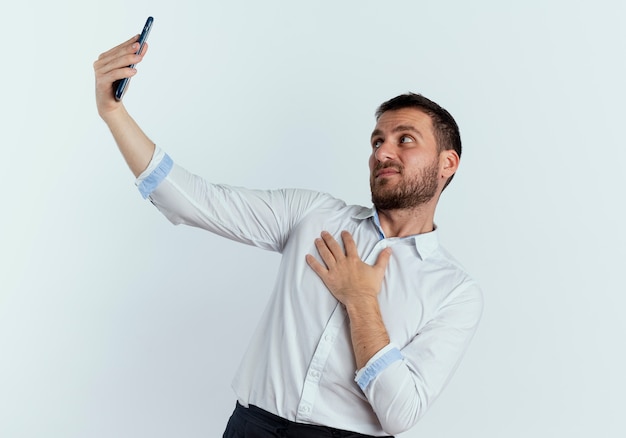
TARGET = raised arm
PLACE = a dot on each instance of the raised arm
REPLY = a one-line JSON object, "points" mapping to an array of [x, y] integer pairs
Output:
{"points": [[110, 67]]}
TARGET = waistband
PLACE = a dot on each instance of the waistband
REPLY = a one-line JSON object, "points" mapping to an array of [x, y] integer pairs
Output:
{"points": [[286, 428]]}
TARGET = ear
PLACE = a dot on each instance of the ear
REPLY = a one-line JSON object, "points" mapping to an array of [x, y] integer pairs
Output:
{"points": [[449, 161]]}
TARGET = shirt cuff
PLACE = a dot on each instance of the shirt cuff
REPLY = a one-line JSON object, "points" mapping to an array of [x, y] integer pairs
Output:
{"points": [[158, 168], [377, 364]]}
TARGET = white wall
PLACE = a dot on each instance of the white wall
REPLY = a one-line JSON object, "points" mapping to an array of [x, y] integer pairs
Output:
{"points": [[115, 323]]}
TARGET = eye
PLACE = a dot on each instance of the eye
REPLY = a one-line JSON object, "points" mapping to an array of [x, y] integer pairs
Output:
{"points": [[377, 143], [406, 139]]}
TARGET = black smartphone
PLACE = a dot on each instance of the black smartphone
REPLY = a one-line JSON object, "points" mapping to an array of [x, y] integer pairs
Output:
{"points": [[122, 84]]}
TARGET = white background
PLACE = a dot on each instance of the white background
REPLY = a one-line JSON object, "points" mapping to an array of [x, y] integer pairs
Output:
{"points": [[114, 323]]}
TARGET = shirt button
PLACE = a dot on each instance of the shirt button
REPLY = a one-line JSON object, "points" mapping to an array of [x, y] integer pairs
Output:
{"points": [[328, 338]]}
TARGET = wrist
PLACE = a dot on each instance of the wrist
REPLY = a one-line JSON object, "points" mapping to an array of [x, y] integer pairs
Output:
{"points": [[112, 115], [362, 305]]}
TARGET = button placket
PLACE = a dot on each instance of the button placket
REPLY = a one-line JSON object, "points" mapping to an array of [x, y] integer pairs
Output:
{"points": [[314, 372]]}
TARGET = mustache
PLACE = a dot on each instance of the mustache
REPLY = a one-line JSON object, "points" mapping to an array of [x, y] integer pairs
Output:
{"points": [[386, 165]]}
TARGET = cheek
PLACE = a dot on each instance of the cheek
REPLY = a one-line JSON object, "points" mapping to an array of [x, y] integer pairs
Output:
{"points": [[372, 161]]}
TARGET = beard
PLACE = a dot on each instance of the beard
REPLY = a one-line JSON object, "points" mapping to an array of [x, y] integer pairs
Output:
{"points": [[407, 193]]}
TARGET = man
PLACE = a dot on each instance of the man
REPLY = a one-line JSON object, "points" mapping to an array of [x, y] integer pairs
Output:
{"points": [[370, 316]]}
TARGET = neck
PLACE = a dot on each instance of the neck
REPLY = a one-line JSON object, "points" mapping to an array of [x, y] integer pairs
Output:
{"points": [[407, 222]]}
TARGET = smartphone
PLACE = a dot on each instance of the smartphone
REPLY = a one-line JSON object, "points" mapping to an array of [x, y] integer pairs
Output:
{"points": [[123, 84]]}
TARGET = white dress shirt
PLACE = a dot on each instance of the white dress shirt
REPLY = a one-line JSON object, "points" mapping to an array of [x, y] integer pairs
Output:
{"points": [[300, 364]]}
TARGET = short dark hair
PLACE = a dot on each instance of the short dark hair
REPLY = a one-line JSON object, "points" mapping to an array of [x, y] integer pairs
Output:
{"points": [[445, 129]]}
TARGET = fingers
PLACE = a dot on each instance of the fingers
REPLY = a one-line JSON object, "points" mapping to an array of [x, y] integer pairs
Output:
{"points": [[330, 250], [120, 57], [383, 259], [121, 46], [113, 65], [125, 48], [326, 247], [350, 245], [317, 267], [331, 243], [144, 49]]}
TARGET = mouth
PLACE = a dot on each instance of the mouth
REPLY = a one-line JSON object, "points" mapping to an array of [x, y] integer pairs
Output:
{"points": [[386, 172]]}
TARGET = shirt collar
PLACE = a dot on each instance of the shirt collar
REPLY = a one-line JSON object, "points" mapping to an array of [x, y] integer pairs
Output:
{"points": [[425, 244]]}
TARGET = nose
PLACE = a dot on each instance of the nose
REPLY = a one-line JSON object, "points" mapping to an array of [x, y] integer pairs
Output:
{"points": [[384, 152]]}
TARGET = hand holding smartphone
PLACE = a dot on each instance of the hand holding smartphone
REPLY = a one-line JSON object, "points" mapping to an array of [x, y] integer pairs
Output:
{"points": [[123, 84]]}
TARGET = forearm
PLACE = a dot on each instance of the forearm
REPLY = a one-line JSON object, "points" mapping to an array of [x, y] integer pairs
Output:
{"points": [[368, 331], [135, 146]]}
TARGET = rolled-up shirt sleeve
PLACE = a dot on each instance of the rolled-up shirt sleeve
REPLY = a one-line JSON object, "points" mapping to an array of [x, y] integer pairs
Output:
{"points": [[377, 364], [401, 384], [159, 167]]}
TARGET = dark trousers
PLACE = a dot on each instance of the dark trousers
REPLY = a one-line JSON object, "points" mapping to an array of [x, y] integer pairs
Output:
{"points": [[254, 422]]}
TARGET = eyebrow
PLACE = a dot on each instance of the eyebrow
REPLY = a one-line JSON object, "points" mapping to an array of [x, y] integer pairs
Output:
{"points": [[399, 128]]}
